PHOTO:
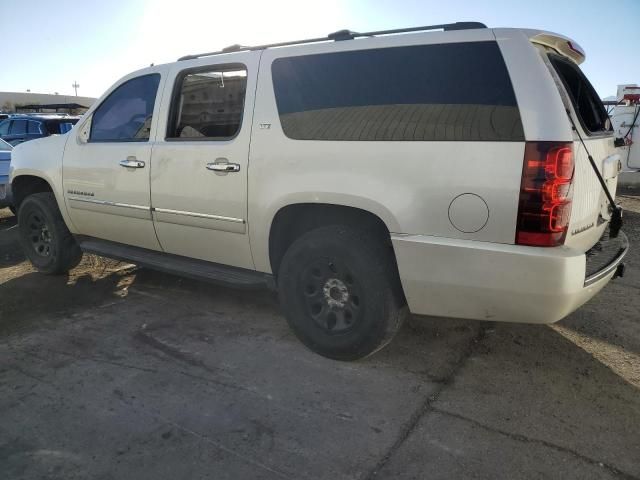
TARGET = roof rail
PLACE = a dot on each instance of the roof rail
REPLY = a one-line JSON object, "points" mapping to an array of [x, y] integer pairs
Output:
{"points": [[340, 36]]}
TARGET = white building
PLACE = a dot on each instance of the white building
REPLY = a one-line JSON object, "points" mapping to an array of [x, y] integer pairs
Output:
{"points": [[10, 100]]}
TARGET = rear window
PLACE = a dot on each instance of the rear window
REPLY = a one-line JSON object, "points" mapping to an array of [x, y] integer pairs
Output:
{"points": [[60, 127], [586, 102], [457, 92]]}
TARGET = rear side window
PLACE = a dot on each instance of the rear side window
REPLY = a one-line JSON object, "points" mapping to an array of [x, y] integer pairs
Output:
{"points": [[208, 104], [34, 127], [126, 114], [457, 92], [586, 102], [4, 127], [18, 127]]}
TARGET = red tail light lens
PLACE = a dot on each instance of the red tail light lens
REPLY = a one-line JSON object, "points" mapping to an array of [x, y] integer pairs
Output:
{"points": [[545, 194]]}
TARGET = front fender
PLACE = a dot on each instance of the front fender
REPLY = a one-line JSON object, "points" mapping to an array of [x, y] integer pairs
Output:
{"points": [[42, 158]]}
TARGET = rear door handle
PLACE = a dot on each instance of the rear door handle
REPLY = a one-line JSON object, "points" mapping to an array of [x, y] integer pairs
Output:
{"points": [[223, 166], [132, 162]]}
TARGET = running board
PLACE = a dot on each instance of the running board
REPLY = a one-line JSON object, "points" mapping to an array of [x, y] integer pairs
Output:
{"points": [[178, 265]]}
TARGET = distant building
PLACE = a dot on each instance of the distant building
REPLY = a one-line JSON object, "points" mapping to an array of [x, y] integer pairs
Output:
{"points": [[10, 101]]}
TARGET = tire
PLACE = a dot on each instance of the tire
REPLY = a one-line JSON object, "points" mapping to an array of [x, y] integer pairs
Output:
{"points": [[44, 237], [340, 291]]}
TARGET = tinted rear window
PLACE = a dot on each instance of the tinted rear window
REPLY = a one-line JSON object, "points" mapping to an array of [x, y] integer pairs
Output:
{"points": [[456, 92], [61, 126], [586, 102]]}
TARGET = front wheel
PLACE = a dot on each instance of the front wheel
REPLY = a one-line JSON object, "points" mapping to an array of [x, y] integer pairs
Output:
{"points": [[44, 237], [340, 291]]}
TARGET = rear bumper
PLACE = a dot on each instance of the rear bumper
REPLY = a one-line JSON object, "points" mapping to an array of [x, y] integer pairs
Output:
{"points": [[605, 256], [488, 281]]}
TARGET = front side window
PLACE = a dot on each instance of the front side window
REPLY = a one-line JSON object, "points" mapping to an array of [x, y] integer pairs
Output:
{"points": [[18, 127], [4, 127], [208, 104], [126, 114], [456, 91], [34, 127]]}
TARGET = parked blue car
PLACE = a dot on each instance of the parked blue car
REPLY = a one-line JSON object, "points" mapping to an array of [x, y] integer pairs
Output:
{"points": [[21, 128], [5, 162]]}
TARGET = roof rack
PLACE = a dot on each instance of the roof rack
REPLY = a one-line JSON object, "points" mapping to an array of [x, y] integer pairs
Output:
{"points": [[340, 36]]}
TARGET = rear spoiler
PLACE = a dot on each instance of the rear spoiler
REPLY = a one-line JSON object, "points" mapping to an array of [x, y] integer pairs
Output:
{"points": [[561, 44]]}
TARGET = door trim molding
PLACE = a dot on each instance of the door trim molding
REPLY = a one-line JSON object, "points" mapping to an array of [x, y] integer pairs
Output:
{"points": [[109, 203], [199, 215]]}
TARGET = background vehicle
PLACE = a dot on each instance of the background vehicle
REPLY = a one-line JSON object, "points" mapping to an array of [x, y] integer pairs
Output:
{"points": [[21, 128], [5, 185], [374, 185], [626, 120]]}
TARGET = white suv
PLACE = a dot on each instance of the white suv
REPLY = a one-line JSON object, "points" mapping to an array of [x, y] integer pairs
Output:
{"points": [[359, 174]]}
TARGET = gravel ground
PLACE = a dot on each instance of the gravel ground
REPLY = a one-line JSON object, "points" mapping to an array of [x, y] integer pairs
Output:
{"points": [[115, 372]]}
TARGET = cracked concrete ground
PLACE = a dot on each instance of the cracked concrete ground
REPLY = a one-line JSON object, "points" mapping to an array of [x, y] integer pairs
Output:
{"points": [[115, 372]]}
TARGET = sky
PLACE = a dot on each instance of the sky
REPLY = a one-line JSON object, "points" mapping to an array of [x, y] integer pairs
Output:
{"points": [[97, 42]]}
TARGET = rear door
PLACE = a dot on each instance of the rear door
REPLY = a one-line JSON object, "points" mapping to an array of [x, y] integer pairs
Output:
{"points": [[35, 129], [200, 159], [590, 209], [17, 132]]}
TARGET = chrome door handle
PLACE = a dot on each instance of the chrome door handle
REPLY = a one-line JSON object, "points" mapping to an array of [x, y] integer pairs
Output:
{"points": [[131, 162], [223, 167]]}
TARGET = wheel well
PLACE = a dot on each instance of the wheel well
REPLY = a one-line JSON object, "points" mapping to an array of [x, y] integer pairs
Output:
{"points": [[26, 185], [293, 221]]}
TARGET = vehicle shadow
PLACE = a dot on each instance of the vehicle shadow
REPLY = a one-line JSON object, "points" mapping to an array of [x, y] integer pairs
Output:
{"points": [[527, 381], [10, 252], [32, 298], [612, 315]]}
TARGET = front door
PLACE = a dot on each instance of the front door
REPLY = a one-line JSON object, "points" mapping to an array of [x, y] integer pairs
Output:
{"points": [[107, 163], [200, 160]]}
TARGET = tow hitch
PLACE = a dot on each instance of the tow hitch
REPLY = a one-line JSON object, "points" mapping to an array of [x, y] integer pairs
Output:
{"points": [[619, 271]]}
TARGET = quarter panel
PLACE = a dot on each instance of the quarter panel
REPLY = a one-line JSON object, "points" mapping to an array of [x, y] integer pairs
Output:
{"points": [[408, 184], [543, 115]]}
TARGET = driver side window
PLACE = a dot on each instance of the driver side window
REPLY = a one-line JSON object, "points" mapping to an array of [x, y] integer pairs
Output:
{"points": [[126, 114]]}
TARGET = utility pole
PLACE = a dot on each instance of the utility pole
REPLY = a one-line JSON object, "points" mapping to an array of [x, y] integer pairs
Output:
{"points": [[75, 87]]}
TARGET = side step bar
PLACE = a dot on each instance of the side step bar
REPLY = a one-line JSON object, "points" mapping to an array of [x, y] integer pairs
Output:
{"points": [[178, 265]]}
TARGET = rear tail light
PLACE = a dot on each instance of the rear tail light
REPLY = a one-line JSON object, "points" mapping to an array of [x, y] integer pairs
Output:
{"points": [[545, 194]]}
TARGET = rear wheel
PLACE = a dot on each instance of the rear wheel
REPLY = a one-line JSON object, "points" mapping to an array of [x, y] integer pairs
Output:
{"points": [[44, 237], [340, 292]]}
